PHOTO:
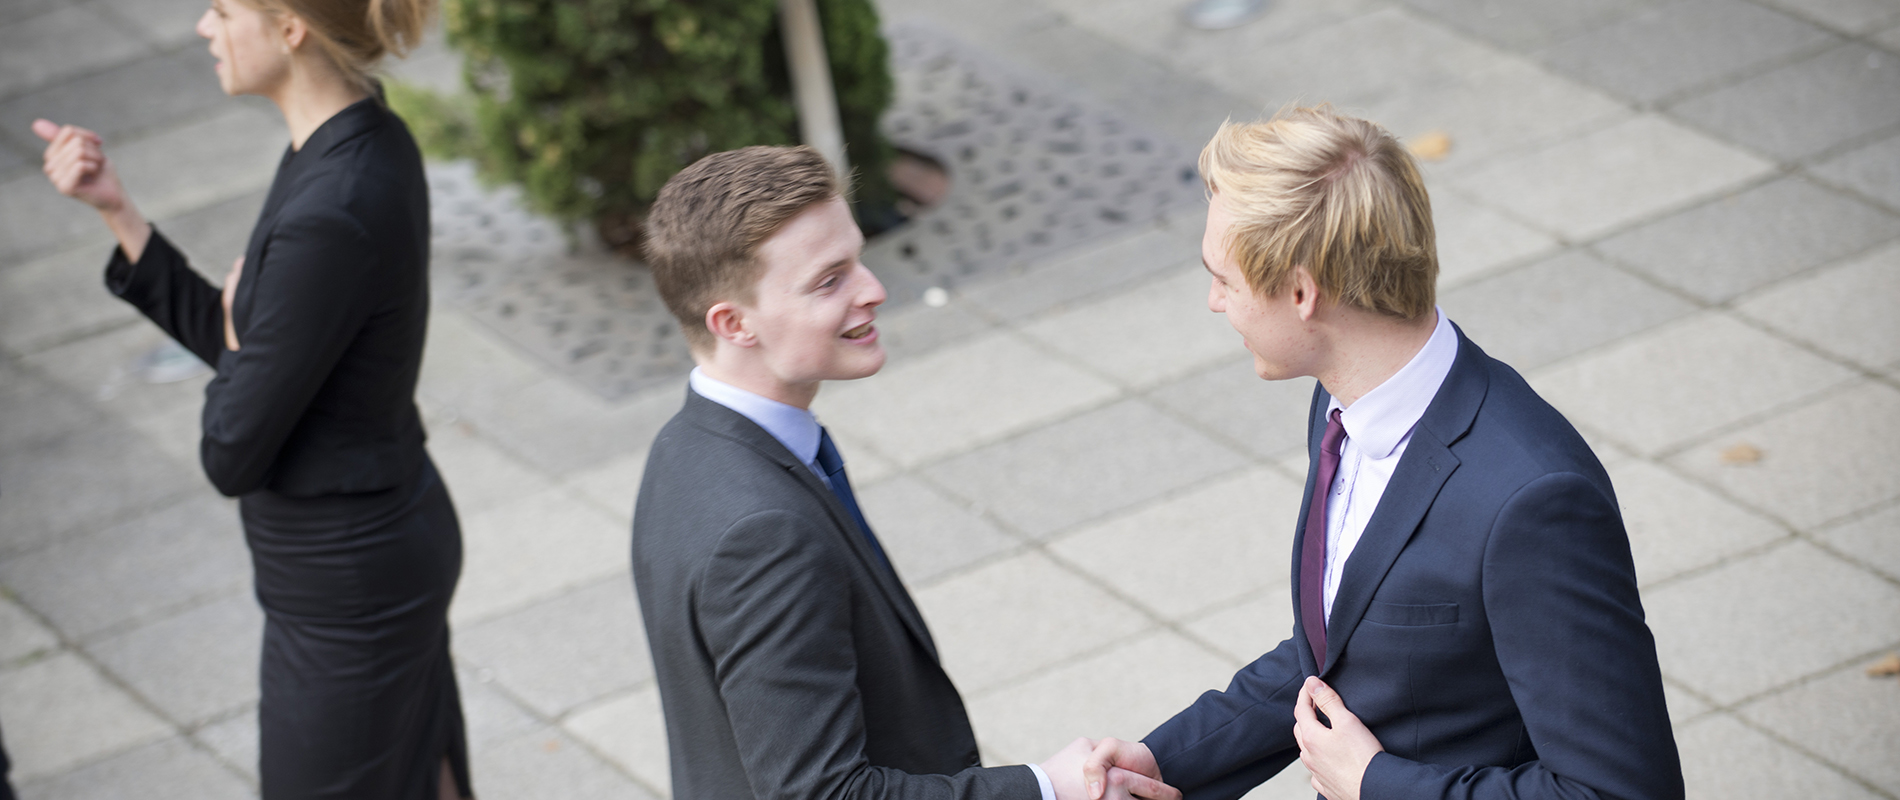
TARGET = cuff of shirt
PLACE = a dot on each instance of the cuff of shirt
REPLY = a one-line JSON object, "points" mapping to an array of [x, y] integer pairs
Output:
{"points": [[1042, 782]]}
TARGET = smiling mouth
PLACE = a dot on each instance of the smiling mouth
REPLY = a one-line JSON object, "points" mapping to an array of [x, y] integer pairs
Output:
{"points": [[858, 332]]}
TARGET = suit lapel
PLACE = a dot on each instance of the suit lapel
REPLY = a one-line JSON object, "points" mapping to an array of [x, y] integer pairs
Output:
{"points": [[722, 421]]}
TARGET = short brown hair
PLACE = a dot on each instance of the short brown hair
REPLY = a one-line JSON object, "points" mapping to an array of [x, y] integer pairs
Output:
{"points": [[356, 34], [705, 228], [1335, 194]]}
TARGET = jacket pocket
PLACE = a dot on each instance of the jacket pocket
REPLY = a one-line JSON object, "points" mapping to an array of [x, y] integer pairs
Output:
{"points": [[1412, 615]]}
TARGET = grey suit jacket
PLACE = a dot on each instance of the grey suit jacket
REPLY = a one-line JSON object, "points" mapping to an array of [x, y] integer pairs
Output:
{"points": [[791, 662]]}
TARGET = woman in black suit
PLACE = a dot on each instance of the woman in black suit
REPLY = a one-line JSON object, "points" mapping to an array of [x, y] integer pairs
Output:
{"points": [[311, 419]]}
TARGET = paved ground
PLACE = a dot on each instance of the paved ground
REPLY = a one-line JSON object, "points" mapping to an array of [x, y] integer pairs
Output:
{"points": [[1681, 220]]}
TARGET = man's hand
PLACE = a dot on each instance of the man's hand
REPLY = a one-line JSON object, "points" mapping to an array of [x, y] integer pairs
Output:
{"points": [[1115, 766], [1338, 755]]}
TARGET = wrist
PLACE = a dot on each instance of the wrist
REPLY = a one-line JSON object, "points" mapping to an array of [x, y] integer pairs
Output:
{"points": [[128, 226]]}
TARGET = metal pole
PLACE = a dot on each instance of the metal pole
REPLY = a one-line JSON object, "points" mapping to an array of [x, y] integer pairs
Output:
{"points": [[817, 103]]}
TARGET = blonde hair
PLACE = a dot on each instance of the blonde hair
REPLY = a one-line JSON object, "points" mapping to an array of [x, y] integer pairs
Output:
{"points": [[356, 34], [1335, 194]]}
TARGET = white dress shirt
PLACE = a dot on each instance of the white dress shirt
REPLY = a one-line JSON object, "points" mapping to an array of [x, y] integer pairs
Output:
{"points": [[1378, 427], [798, 430]]}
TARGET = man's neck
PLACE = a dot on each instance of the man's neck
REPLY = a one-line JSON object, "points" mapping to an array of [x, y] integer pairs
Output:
{"points": [[757, 380], [1368, 348]]}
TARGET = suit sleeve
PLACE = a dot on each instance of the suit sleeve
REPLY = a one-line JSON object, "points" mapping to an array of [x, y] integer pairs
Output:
{"points": [[311, 297], [775, 607], [1230, 741], [1560, 593], [164, 288]]}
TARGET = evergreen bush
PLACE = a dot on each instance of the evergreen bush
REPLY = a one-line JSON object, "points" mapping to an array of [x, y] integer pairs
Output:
{"points": [[590, 105]]}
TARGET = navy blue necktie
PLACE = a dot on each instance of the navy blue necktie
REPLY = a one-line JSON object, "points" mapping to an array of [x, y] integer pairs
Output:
{"points": [[833, 466]]}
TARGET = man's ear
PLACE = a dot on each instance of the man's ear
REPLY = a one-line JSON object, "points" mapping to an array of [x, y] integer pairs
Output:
{"points": [[727, 322], [1305, 293]]}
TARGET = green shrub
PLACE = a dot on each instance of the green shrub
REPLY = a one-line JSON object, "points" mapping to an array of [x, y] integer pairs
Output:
{"points": [[590, 105]]}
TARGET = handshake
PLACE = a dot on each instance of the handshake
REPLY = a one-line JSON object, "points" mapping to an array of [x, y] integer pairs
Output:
{"points": [[1110, 768]]}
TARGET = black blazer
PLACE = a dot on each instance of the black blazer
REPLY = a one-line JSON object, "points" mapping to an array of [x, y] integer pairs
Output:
{"points": [[330, 315], [1487, 626], [791, 663]]}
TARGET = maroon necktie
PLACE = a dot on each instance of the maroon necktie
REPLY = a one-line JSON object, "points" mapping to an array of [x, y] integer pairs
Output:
{"points": [[1313, 545]]}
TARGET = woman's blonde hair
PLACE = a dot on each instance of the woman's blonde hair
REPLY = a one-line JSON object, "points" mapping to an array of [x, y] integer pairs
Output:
{"points": [[1335, 194], [356, 34]]}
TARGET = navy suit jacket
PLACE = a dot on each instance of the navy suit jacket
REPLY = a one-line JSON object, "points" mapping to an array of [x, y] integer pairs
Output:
{"points": [[1487, 626]]}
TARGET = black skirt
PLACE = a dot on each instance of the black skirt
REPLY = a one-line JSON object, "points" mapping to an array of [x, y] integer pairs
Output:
{"points": [[358, 692]]}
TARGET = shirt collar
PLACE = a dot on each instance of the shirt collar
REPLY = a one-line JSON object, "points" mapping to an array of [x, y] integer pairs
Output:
{"points": [[1381, 419], [792, 426]]}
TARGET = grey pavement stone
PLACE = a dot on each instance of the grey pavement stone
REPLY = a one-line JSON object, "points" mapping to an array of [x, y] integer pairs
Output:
{"points": [[74, 716], [1659, 52], [924, 534], [1676, 526], [1473, 240], [16, 10], [35, 409], [1763, 621], [1523, 25], [234, 740], [165, 23], [1556, 308], [21, 636], [1873, 170], [17, 160], [1145, 335], [217, 158], [565, 651], [987, 633], [1395, 51], [479, 475], [629, 730], [1845, 310], [1721, 757], [99, 368], [1852, 16], [56, 298], [432, 65], [534, 548], [1861, 731], [1203, 548], [1802, 109], [39, 50], [1268, 418], [1084, 468], [1682, 380], [535, 421], [149, 93], [1890, 38], [213, 236], [612, 486], [1873, 539], [34, 219], [464, 364], [547, 763], [139, 569], [866, 465], [957, 398], [1819, 462], [1151, 677], [493, 717], [1079, 276], [1732, 245], [1627, 172], [196, 666], [1248, 629], [85, 479], [1683, 706], [1159, 31], [169, 766], [1505, 107]]}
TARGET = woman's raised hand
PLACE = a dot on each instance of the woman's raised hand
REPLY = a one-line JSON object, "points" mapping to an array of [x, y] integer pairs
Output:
{"points": [[76, 163]]}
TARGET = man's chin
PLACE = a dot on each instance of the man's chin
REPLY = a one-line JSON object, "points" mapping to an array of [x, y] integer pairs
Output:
{"points": [[862, 364]]}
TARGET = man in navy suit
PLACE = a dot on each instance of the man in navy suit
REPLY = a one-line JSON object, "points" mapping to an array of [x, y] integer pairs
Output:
{"points": [[1466, 622]]}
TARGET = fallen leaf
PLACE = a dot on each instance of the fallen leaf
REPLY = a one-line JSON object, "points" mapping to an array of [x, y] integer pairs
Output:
{"points": [[1743, 453], [1886, 667], [551, 745], [1432, 146]]}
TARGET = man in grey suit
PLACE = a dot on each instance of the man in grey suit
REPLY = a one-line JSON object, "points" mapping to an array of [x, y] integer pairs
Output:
{"points": [[791, 660]]}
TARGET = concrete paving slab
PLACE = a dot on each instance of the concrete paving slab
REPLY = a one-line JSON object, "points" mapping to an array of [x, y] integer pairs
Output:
{"points": [[1201, 549], [925, 534], [1585, 187], [140, 569], [864, 465], [1764, 621], [84, 480], [56, 298], [986, 636], [1889, 38], [1506, 107], [1845, 310], [1721, 757], [565, 651], [1152, 677], [479, 474], [1395, 51], [1729, 246], [1848, 16], [1084, 468], [534, 548], [18, 160], [1872, 539], [100, 368], [165, 23], [1556, 308], [547, 763], [1683, 706], [1524, 25], [1145, 335], [1861, 733], [35, 409], [1676, 526], [493, 716], [1848, 433], [464, 364], [1249, 629], [1230, 401], [1873, 170], [74, 714], [150, 93], [1807, 107], [1293, 783], [1474, 240], [1684, 379], [217, 158], [1659, 52], [21, 636], [36, 51], [1080, 276], [233, 741], [173, 764], [1159, 31], [541, 422], [35, 220], [25, 9], [613, 485], [971, 394], [630, 731], [195, 666]]}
